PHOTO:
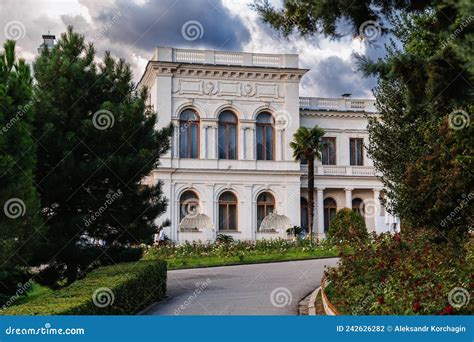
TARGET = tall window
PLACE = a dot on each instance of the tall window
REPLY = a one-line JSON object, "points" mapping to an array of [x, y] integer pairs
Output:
{"points": [[188, 134], [265, 136], [304, 213], [358, 206], [227, 211], [265, 205], [329, 151], [227, 135], [357, 151], [188, 204], [330, 208]]}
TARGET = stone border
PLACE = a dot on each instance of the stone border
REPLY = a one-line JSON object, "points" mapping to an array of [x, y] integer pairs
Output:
{"points": [[312, 302], [329, 308]]}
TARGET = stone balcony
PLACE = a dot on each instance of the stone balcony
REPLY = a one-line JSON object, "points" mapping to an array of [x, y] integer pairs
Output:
{"points": [[337, 104], [266, 60], [341, 170]]}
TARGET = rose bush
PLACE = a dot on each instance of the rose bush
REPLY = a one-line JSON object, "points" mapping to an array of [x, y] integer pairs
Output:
{"points": [[403, 275]]}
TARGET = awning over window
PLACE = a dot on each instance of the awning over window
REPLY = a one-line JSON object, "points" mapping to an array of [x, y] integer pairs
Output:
{"points": [[196, 221], [273, 221]]}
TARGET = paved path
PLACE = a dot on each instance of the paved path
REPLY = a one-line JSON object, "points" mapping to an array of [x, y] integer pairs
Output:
{"points": [[261, 289]]}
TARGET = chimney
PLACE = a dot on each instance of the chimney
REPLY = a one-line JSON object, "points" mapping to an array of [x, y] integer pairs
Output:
{"points": [[48, 42]]}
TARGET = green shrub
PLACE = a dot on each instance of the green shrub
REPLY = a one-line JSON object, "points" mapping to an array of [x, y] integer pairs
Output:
{"points": [[133, 286], [225, 239], [403, 275], [347, 225]]}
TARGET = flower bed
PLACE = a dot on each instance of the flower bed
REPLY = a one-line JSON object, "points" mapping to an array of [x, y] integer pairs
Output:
{"points": [[198, 254], [403, 276]]}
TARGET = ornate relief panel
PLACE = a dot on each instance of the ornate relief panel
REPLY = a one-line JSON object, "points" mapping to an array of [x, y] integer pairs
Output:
{"points": [[221, 88]]}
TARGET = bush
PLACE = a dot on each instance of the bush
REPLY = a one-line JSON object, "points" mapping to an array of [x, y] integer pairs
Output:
{"points": [[225, 239], [126, 288], [403, 275], [347, 225]]}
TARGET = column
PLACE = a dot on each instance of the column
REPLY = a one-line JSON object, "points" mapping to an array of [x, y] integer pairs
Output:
{"points": [[205, 145], [215, 142], [320, 208], [278, 145], [175, 142], [241, 144], [252, 141], [348, 197], [377, 208]]}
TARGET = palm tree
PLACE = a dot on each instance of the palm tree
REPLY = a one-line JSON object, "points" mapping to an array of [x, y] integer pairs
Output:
{"points": [[307, 145]]}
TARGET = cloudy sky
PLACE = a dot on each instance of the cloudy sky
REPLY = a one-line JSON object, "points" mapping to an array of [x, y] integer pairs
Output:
{"points": [[132, 29]]}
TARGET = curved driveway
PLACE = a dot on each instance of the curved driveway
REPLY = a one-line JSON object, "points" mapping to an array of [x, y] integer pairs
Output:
{"points": [[259, 289]]}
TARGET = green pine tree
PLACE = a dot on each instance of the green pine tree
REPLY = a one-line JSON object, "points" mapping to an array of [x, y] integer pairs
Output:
{"points": [[20, 227], [97, 142]]}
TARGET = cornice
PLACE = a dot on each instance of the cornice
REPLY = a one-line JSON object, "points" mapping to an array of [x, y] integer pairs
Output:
{"points": [[211, 71]]}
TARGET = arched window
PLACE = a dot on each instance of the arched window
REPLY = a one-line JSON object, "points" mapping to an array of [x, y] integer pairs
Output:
{"points": [[358, 206], [330, 208], [227, 211], [304, 213], [188, 204], [188, 134], [265, 136], [265, 205], [227, 135]]}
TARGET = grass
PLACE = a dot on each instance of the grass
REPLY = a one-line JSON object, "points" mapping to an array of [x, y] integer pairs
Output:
{"points": [[212, 261]]}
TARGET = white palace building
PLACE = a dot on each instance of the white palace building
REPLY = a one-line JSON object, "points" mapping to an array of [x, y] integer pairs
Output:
{"points": [[230, 165]]}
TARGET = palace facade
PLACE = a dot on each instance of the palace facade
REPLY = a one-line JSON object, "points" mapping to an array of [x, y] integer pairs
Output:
{"points": [[230, 164]]}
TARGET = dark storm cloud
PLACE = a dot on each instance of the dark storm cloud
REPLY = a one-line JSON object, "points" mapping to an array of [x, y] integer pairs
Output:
{"points": [[333, 76], [160, 22]]}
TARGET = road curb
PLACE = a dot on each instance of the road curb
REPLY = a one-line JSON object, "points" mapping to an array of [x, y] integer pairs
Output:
{"points": [[312, 302]]}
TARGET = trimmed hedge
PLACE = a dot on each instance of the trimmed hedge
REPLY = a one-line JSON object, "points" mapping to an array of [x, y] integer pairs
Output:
{"points": [[133, 286], [347, 225]]}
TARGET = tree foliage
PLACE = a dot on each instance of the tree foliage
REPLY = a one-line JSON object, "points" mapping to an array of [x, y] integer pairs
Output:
{"points": [[422, 142], [97, 144], [20, 227], [347, 226]]}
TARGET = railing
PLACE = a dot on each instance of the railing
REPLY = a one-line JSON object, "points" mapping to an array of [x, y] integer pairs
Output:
{"points": [[166, 54], [341, 104], [341, 170]]}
